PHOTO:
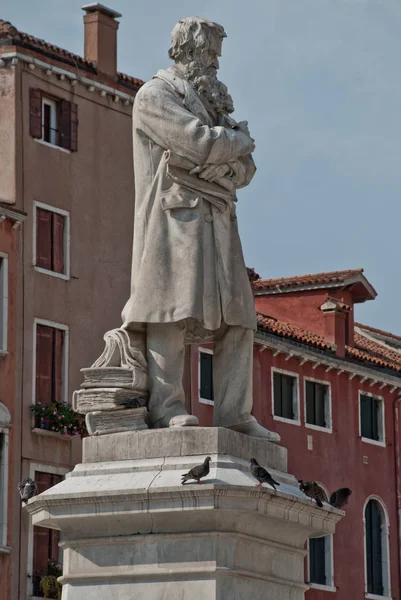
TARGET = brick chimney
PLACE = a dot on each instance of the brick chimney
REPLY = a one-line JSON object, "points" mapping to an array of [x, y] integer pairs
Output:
{"points": [[335, 323], [101, 37]]}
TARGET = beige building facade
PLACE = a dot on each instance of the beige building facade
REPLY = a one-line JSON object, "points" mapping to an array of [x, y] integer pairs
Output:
{"points": [[66, 166]]}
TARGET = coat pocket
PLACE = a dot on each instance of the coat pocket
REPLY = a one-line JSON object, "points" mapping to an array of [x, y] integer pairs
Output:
{"points": [[179, 198]]}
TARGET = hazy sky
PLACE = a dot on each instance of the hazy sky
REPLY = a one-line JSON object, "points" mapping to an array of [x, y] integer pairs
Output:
{"points": [[320, 83]]}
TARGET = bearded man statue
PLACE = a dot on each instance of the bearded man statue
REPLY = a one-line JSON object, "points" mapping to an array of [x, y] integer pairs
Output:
{"points": [[189, 280]]}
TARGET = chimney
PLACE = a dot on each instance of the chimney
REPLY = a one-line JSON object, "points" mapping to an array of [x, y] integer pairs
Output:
{"points": [[101, 37], [335, 317]]}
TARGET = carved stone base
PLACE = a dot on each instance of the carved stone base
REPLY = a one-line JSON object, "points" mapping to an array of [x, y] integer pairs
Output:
{"points": [[103, 422]]}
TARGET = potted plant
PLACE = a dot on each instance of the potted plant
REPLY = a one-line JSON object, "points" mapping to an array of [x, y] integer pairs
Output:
{"points": [[49, 585], [59, 417]]}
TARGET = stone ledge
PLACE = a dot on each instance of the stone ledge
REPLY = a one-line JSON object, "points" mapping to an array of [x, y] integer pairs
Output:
{"points": [[185, 441]]}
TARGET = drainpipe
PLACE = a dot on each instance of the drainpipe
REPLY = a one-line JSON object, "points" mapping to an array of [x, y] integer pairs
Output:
{"points": [[397, 462]]}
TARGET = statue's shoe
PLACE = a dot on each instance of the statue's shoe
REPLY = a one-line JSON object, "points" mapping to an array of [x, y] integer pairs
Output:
{"points": [[182, 419], [253, 429]]}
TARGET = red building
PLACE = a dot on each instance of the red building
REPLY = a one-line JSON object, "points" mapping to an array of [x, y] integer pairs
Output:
{"points": [[331, 388]]}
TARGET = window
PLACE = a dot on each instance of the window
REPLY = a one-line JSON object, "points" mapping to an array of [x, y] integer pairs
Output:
{"points": [[45, 541], [51, 240], [51, 365], [371, 418], [317, 404], [3, 301], [53, 120], [285, 396], [377, 580], [206, 376], [5, 422], [321, 562]]}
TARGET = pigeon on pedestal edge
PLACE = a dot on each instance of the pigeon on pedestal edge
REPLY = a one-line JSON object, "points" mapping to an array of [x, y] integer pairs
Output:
{"points": [[261, 474], [197, 472]]}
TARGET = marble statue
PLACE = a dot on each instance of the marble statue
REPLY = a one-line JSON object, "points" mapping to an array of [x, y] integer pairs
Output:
{"points": [[189, 280]]}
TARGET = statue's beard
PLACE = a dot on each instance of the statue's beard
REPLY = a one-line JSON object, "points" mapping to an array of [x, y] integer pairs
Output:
{"points": [[209, 87]]}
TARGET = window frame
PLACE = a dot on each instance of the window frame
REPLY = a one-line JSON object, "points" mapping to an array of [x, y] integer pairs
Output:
{"points": [[52, 470], [295, 399], [385, 544], [66, 330], [5, 424], [67, 240], [327, 409], [4, 303], [202, 350], [329, 565], [381, 425], [54, 116]]}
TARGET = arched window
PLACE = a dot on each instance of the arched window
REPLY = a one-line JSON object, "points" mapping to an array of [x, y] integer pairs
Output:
{"points": [[5, 421], [377, 564]]}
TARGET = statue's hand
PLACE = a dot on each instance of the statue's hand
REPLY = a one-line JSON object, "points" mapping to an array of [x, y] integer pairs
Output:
{"points": [[212, 172]]}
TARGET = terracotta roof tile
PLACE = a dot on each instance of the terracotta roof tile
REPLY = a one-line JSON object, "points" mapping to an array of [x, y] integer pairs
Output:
{"points": [[272, 325], [379, 331], [374, 352], [311, 279], [15, 37]]}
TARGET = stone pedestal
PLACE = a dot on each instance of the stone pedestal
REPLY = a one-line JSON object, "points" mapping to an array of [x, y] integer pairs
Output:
{"points": [[129, 529]]}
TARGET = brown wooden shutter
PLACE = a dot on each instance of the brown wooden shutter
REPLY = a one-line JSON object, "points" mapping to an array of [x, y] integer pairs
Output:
{"points": [[64, 124], [41, 535], [58, 243], [43, 238], [44, 360], [74, 127], [58, 364], [35, 113]]}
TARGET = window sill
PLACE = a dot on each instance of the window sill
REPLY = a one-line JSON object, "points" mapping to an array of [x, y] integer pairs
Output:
{"points": [[3, 353], [383, 445], [51, 273], [319, 428], [284, 420], [54, 434], [5, 549], [38, 141], [324, 588], [205, 401], [376, 597]]}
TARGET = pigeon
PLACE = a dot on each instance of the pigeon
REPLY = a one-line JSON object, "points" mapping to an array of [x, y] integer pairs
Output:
{"points": [[261, 474], [197, 472], [314, 491], [339, 498], [27, 489]]}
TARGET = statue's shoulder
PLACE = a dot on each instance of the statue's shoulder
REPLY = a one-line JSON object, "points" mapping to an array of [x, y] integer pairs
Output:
{"points": [[155, 85]]}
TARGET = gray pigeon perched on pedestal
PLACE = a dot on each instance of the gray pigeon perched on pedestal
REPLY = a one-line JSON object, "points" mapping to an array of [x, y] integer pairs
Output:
{"points": [[261, 474], [314, 491], [197, 472], [27, 489], [339, 498]]}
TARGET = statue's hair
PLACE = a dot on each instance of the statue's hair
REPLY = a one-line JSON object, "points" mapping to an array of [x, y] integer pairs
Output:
{"points": [[193, 33]]}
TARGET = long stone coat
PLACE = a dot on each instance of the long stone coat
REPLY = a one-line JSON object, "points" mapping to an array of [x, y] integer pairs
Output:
{"points": [[187, 257]]}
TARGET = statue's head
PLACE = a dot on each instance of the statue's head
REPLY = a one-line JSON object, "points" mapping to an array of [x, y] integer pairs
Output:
{"points": [[196, 48]]}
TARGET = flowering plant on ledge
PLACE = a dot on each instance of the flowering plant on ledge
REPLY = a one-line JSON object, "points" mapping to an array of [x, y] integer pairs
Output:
{"points": [[60, 418], [49, 585]]}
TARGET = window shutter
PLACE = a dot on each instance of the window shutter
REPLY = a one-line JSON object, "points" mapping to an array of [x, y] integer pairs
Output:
{"points": [[288, 397], [58, 364], [35, 113], [44, 353], [375, 419], [277, 390], [74, 127], [310, 403], [366, 416], [58, 243], [64, 125], [43, 238], [41, 535], [374, 563], [317, 560], [206, 375], [320, 401]]}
